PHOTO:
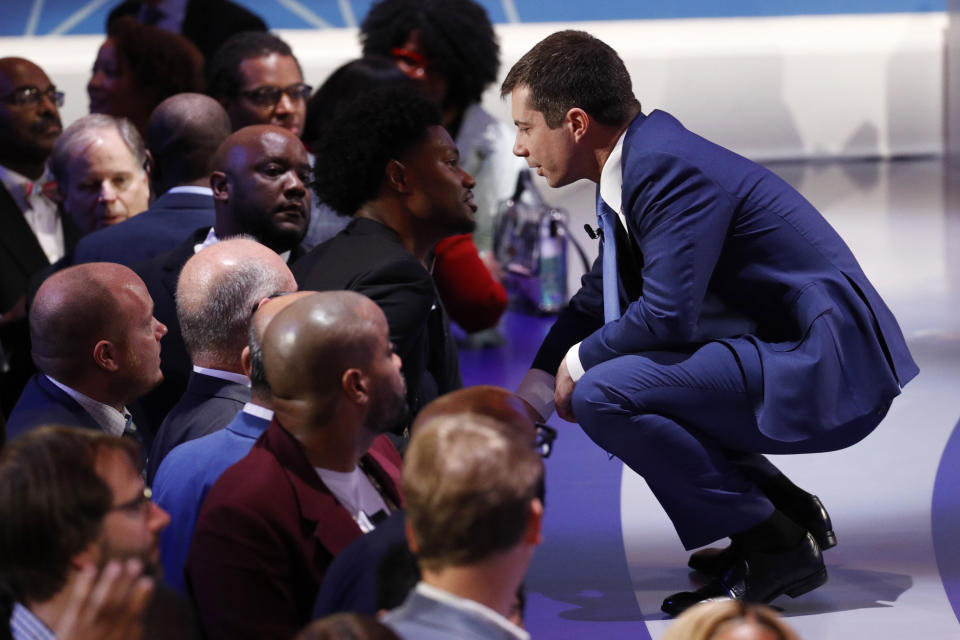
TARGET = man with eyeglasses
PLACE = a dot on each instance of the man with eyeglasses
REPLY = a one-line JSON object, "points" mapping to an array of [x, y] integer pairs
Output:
{"points": [[78, 541], [34, 234]]}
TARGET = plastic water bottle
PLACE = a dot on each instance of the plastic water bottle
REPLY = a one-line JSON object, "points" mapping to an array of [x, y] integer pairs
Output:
{"points": [[553, 264]]}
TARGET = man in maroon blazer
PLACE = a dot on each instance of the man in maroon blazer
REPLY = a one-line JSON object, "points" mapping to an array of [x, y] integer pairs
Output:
{"points": [[319, 477]]}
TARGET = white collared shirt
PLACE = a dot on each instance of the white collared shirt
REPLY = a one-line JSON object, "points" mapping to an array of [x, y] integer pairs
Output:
{"points": [[258, 411], [39, 211], [229, 376], [472, 607], [188, 188], [110, 420], [212, 239]]}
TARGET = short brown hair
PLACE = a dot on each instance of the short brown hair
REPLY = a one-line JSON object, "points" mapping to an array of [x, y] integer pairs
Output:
{"points": [[468, 481], [52, 505], [573, 69]]}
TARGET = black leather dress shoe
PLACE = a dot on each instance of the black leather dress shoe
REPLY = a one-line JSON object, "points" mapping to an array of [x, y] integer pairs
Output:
{"points": [[760, 576], [811, 515]]}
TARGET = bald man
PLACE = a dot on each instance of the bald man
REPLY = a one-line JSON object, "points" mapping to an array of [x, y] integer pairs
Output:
{"points": [[34, 233], [190, 469], [259, 189], [324, 473], [97, 346], [217, 291], [183, 134]]}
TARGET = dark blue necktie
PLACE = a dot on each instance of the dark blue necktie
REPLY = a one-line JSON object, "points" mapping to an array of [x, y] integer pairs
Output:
{"points": [[607, 218]]}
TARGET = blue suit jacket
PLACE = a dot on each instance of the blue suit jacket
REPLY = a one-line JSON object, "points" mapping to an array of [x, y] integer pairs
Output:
{"points": [[167, 223], [208, 405], [44, 403], [703, 220], [184, 478]]}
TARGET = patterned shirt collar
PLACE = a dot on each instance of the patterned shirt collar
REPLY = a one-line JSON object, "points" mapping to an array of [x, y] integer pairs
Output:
{"points": [[26, 626]]}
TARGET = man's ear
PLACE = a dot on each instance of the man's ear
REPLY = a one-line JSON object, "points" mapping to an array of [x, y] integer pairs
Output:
{"points": [[534, 535], [411, 537], [88, 555], [245, 361], [355, 386], [578, 121], [396, 175], [105, 355], [220, 185]]}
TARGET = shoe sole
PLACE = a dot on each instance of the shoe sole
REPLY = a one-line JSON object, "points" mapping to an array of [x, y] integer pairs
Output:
{"points": [[805, 585]]}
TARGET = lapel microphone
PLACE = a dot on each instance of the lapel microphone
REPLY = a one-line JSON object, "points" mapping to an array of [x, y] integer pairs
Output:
{"points": [[593, 234]]}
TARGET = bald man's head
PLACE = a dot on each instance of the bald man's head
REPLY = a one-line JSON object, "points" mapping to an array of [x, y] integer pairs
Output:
{"points": [[333, 347], [266, 312], [217, 292], [260, 183], [183, 135], [97, 318]]}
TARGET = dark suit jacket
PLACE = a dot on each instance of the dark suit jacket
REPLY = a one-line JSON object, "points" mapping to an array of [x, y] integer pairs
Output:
{"points": [[267, 533], [368, 257], [44, 403], [207, 23], [160, 274], [20, 258], [825, 351], [208, 405], [166, 224]]}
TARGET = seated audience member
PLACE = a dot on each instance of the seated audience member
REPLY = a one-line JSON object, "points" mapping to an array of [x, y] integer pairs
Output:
{"points": [[729, 620], [473, 553], [324, 473], [34, 234], [259, 190], [354, 581], [97, 346], [186, 474], [138, 67], [183, 135], [347, 626], [100, 166], [76, 525], [217, 290], [206, 23], [351, 81], [390, 165]]}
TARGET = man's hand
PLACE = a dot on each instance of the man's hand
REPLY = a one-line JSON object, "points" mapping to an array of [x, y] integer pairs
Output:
{"points": [[108, 606], [563, 393]]}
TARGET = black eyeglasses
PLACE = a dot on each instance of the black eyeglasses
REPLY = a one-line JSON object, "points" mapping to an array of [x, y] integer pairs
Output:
{"points": [[30, 95], [139, 503], [270, 96], [545, 437]]}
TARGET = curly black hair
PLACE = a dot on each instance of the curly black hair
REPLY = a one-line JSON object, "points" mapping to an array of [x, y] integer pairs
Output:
{"points": [[353, 155], [456, 36], [163, 63], [223, 69]]}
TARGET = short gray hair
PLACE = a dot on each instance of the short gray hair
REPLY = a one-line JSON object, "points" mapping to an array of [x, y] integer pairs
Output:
{"points": [[82, 132]]}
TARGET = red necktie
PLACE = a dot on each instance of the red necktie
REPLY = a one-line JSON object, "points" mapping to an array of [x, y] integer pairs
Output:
{"points": [[48, 189]]}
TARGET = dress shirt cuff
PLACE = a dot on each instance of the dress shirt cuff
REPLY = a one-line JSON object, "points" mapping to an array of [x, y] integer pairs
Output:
{"points": [[537, 390], [573, 362]]}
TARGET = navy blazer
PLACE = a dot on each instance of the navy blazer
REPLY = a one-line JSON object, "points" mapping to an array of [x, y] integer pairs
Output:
{"points": [[705, 221], [167, 223], [266, 535], [44, 403], [208, 405]]}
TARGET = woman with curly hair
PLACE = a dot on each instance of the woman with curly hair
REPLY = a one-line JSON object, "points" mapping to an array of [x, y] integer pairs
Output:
{"points": [[138, 67]]}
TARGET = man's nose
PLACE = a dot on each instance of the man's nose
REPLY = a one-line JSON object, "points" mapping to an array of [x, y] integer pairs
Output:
{"points": [[285, 104], [519, 149], [108, 193]]}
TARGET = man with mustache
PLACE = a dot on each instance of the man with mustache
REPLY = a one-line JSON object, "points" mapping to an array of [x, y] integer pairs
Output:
{"points": [[34, 234], [259, 189]]}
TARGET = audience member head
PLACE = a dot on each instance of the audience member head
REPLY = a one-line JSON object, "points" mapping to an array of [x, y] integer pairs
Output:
{"points": [[486, 400], [217, 292], [252, 357], [352, 81], [138, 66], [29, 120], [183, 134], [729, 620], [333, 372], [257, 79], [473, 488], [92, 329], [71, 498], [447, 46], [346, 626], [259, 186], [99, 164]]}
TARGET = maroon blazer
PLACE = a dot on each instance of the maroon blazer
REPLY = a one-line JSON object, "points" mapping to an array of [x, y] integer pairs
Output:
{"points": [[266, 534]]}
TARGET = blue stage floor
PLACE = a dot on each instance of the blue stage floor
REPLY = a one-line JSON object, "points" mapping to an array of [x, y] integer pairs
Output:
{"points": [[610, 555]]}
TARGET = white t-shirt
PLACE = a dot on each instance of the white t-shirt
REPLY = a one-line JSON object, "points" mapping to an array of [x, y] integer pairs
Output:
{"points": [[356, 493]]}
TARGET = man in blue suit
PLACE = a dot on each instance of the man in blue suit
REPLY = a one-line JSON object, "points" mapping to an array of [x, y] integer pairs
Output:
{"points": [[190, 469], [183, 135], [747, 326]]}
